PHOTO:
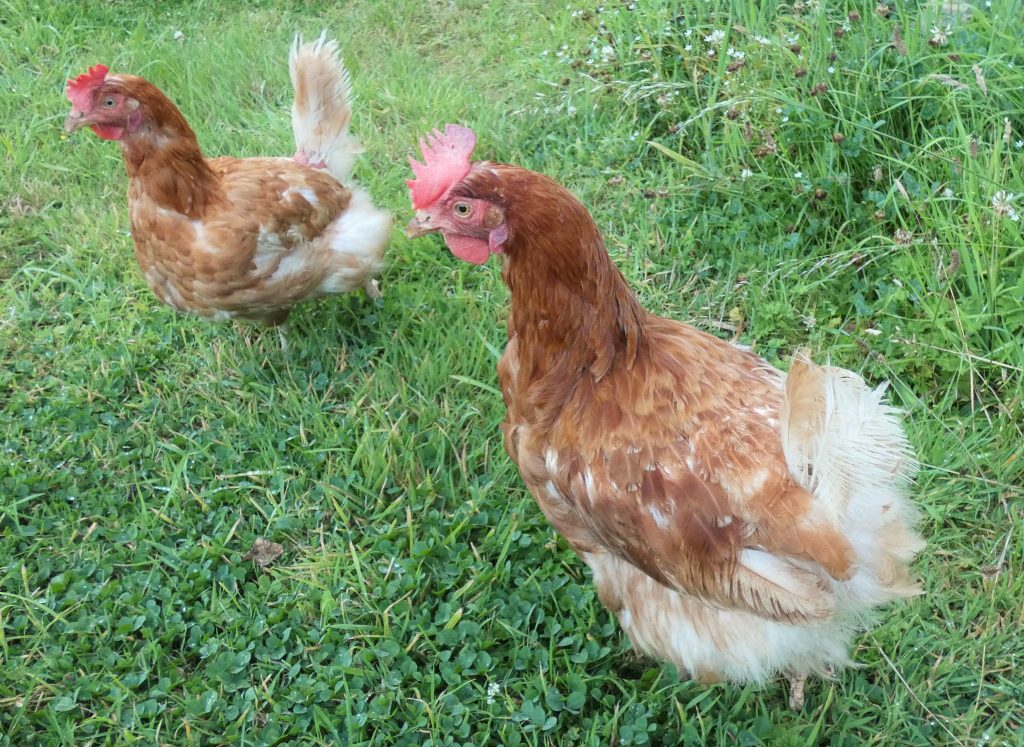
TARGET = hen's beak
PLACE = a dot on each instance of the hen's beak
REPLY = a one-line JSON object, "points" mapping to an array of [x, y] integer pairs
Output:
{"points": [[420, 226], [75, 120]]}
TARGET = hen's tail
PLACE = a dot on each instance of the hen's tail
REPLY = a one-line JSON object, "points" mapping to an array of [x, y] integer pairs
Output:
{"points": [[847, 447], [323, 107]]}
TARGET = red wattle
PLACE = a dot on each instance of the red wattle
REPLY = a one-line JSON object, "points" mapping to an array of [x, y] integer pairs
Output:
{"points": [[108, 132], [468, 249]]}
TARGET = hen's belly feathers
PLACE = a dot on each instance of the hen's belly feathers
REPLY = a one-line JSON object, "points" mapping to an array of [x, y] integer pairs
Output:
{"points": [[738, 525], [278, 234]]}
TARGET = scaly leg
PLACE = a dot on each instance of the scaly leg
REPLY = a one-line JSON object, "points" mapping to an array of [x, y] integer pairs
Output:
{"points": [[796, 691]]}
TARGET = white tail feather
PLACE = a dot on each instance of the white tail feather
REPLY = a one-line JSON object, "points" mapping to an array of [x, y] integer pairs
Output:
{"points": [[840, 437], [322, 109], [847, 447]]}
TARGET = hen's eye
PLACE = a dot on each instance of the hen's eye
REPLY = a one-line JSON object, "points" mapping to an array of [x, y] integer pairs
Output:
{"points": [[109, 102], [462, 209]]}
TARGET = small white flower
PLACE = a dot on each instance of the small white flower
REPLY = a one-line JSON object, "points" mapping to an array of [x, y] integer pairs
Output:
{"points": [[1002, 202], [940, 36], [793, 39], [715, 37], [746, 174], [762, 40], [831, 69], [947, 193], [635, 135], [571, 109], [778, 110], [1019, 144], [178, 35], [785, 118], [493, 690], [1002, 198], [607, 53], [688, 33], [798, 175], [711, 53], [689, 47]]}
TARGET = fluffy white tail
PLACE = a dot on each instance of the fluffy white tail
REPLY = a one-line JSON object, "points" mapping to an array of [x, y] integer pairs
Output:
{"points": [[847, 447], [323, 107]]}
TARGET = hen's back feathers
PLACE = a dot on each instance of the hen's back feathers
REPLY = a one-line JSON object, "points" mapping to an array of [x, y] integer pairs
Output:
{"points": [[322, 110]]}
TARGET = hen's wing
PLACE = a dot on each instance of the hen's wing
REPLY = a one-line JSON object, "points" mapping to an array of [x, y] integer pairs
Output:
{"points": [[679, 470], [273, 206]]}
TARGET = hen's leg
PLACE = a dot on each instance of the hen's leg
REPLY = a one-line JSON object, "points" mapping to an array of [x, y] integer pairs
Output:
{"points": [[372, 289], [279, 320], [796, 691]]}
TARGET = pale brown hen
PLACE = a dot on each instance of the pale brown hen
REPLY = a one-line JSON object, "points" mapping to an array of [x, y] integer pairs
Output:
{"points": [[738, 521], [241, 237]]}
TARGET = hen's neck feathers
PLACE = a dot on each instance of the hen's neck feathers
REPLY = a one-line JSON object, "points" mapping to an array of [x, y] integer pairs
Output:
{"points": [[571, 308], [163, 155]]}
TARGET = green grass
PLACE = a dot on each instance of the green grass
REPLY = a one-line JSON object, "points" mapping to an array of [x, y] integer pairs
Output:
{"points": [[421, 597]]}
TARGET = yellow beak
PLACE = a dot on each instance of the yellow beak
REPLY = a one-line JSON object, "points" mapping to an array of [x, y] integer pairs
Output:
{"points": [[75, 120], [420, 226]]}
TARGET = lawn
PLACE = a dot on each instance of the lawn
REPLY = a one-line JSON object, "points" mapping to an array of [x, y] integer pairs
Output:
{"points": [[808, 175]]}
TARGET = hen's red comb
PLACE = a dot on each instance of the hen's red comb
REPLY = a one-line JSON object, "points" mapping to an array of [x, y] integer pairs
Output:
{"points": [[79, 90], [446, 161]]}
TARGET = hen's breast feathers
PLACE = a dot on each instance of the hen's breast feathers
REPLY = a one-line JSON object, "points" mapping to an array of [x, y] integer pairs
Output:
{"points": [[676, 465], [269, 243]]}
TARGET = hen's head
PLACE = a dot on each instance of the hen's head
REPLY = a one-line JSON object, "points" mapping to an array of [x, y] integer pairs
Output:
{"points": [[473, 226], [102, 102]]}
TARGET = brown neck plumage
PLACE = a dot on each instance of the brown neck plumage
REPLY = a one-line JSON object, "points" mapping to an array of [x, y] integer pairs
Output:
{"points": [[162, 153], [571, 308]]}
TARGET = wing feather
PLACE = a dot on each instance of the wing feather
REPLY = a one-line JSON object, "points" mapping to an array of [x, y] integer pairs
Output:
{"points": [[684, 477]]}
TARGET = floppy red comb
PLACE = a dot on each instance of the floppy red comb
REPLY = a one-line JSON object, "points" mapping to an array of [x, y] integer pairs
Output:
{"points": [[80, 89], [446, 161]]}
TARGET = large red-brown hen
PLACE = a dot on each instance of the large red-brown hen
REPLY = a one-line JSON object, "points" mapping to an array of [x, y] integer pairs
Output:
{"points": [[241, 237], [740, 522]]}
